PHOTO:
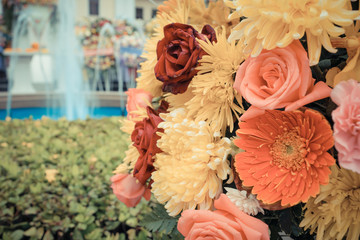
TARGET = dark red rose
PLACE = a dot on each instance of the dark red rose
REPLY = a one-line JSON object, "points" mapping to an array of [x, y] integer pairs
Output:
{"points": [[178, 54], [209, 32], [144, 138], [163, 108]]}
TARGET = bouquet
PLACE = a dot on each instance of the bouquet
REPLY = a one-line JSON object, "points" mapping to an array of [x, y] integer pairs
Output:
{"points": [[245, 122]]}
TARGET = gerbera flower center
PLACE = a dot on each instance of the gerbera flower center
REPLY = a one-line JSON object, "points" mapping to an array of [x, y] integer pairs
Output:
{"points": [[288, 151]]}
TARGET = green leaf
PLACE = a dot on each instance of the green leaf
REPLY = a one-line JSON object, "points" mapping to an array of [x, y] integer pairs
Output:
{"points": [[11, 167], [32, 210], [132, 222], [48, 236], [122, 236], [7, 236], [80, 218], [77, 235], [8, 211], [94, 235], [75, 171], [40, 232], [82, 226], [112, 225], [141, 236], [31, 232], [159, 220], [91, 210], [17, 235]]}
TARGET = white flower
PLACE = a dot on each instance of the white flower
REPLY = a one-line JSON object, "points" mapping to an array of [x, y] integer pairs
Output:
{"points": [[248, 204]]}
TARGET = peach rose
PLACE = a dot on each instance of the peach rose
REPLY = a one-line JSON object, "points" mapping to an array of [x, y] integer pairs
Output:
{"points": [[227, 222], [278, 78], [137, 98], [128, 190], [346, 118]]}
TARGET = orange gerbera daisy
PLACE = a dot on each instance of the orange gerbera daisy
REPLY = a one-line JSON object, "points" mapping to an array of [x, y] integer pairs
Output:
{"points": [[285, 155]]}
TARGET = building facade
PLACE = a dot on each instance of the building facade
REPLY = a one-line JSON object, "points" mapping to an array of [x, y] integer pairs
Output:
{"points": [[131, 10]]}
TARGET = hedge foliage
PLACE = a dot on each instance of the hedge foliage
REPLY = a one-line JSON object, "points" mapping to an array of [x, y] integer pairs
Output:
{"points": [[78, 203]]}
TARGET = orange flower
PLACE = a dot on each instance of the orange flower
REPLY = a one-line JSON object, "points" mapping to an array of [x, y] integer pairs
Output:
{"points": [[285, 155]]}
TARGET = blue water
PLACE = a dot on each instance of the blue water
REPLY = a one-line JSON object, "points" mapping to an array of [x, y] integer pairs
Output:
{"points": [[37, 113]]}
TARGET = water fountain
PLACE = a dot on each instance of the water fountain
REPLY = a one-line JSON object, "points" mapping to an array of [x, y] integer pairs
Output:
{"points": [[26, 32], [55, 74], [68, 64]]}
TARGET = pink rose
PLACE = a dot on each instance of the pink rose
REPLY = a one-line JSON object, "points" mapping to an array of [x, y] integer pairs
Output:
{"points": [[128, 190], [278, 78], [227, 222], [137, 98], [346, 118]]}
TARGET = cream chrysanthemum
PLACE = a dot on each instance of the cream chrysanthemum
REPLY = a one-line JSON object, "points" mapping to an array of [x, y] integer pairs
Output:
{"points": [[216, 13], [276, 23], [248, 204], [179, 100], [190, 170], [212, 87], [335, 212]]}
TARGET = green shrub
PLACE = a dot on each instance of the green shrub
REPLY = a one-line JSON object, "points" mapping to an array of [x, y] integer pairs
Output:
{"points": [[79, 203]]}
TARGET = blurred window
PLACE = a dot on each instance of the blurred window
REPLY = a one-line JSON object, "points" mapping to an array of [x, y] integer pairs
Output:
{"points": [[153, 13], [139, 13], [94, 7]]}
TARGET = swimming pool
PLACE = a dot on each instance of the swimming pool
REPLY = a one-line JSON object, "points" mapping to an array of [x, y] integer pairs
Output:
{"points": [[38, 112]]}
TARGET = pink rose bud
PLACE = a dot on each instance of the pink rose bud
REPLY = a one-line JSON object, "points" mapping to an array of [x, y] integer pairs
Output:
{"points": [[137, 98], [128, 190]]}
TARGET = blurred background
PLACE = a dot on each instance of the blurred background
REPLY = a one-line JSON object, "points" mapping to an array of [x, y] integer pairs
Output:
{"points": [[70, 58], [65, 66]]}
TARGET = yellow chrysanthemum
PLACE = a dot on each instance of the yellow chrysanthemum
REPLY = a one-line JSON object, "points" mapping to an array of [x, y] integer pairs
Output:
{"points": [[335, 212], [128, 124], [179, 100], [190, 171], [276, 23], [216, 13], [128, 164], [50, 174], [352, 44], [212, 87]]}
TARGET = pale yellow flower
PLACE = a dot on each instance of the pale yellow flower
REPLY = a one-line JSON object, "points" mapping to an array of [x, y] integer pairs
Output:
{"points": [[276, 23], [179, 100], [216, 13], [190, 171], [212, 87], [128, 164], [128, 124], [335, 212], [50, 174]]}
